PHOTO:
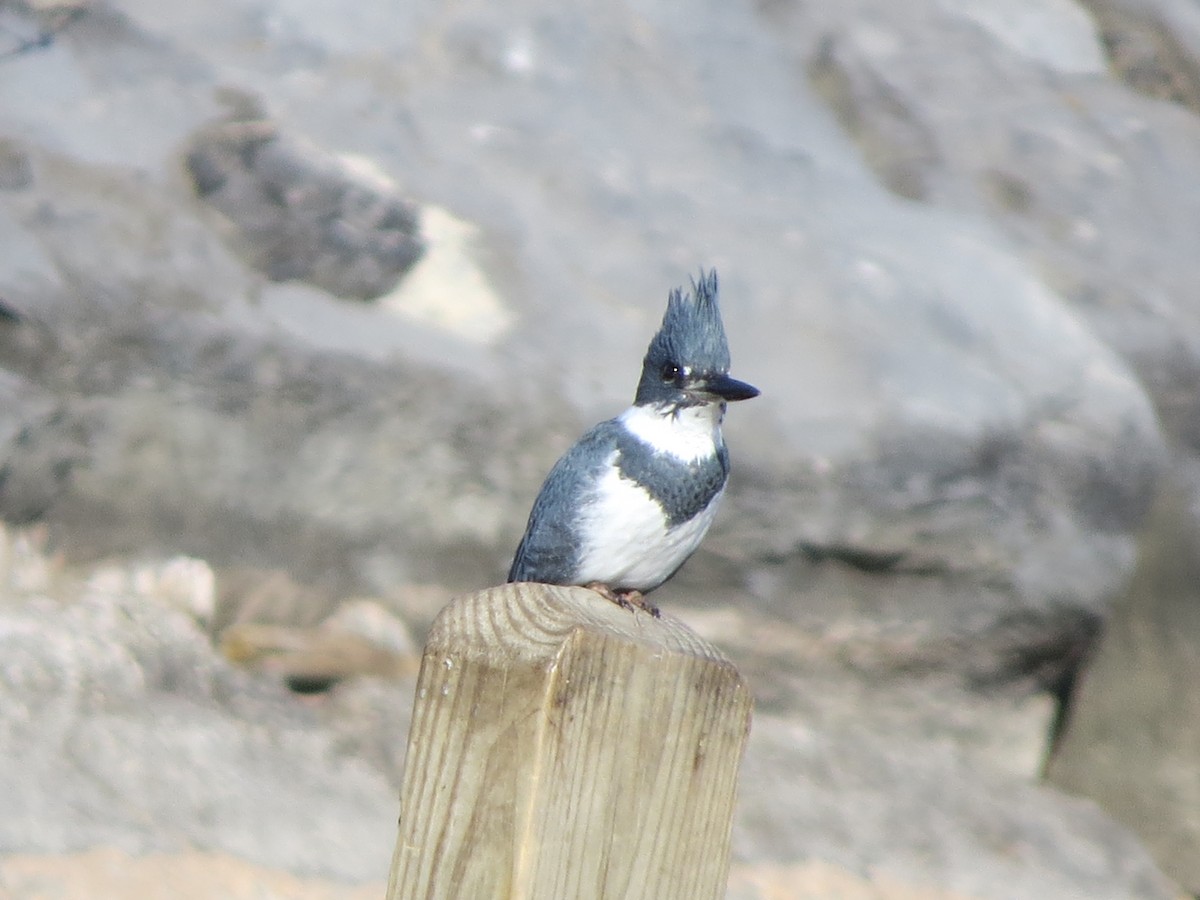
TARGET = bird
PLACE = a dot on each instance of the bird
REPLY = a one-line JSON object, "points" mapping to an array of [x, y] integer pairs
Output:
{"points": [[631, 500]]}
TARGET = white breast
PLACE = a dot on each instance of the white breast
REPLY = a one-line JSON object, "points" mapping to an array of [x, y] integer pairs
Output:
{"points": [[625, 537], [687, 434]]}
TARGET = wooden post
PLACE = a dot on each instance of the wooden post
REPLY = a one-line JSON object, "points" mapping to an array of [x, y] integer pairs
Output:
{"points": [[563, 747]]}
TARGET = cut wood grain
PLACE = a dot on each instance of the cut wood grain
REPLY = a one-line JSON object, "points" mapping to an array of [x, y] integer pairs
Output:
{"points": [[563, 747]]}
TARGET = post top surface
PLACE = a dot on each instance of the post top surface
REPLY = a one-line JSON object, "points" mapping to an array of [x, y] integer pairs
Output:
{"points": [[526, 621]]}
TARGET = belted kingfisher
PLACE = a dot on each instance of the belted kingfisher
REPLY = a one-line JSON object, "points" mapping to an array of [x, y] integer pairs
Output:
{"points": [[623, 509]]}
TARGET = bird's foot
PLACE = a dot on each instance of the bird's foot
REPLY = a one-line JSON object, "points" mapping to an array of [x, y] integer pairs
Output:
{"points": [[637, 600], [626, 599]]}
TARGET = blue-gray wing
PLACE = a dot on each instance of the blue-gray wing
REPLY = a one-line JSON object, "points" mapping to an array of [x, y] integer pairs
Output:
{"points": [[549, 551]]}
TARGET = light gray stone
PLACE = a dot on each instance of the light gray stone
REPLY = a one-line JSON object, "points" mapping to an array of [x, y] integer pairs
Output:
{"points": [[956, 255], [120, 726], [922, 813]]}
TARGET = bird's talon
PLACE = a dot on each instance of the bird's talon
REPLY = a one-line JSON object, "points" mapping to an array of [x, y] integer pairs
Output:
{"points": [[630, 600], [638, 599]]}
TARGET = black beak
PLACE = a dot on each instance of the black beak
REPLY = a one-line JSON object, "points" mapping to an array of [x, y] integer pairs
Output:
{"points": [[729, 388]]}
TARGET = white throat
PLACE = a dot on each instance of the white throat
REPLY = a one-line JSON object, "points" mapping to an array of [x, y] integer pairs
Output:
{"points": [[687, 433]]}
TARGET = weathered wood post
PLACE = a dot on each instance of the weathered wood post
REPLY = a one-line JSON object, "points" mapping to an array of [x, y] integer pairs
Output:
{"points": [[562, 747]]}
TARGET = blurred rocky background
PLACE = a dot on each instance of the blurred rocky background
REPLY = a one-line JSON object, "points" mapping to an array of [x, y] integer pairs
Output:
{"points": [[299, 302]]}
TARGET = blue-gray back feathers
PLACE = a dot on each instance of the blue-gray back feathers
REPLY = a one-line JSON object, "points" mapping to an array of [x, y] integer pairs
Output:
{"points": [[549, 550]]}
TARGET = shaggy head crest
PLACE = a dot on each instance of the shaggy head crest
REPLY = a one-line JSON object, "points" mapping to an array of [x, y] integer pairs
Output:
{"points": [[691, 339], [692, 333]]}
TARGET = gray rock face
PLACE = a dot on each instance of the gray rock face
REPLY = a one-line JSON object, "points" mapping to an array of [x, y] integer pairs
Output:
{"points": [[1138, 700], [122, 727], [328, 290], [1083, 196], [845, 795], [932, 412]]}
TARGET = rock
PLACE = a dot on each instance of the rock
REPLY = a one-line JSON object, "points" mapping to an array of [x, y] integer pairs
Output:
{"points": [[121, 726], [360, 638], [249, 595], [860, 788], [370, 620], [818, 881], [962, 432], [15, 170], [1073, 192], [300, 214], [1131, 736], [184, 584], [115, 699], [955, 254], [188, 875], [311, 660], [1153, 47]]}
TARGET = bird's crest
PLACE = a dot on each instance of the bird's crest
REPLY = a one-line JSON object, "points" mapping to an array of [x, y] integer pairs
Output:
{"points": [[692, 333]]}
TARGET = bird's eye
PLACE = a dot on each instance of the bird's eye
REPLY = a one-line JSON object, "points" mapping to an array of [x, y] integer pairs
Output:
{"points": [[670, 372]]}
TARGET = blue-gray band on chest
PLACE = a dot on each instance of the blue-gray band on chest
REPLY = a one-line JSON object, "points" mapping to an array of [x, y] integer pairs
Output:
{"points": [[683, 488]]}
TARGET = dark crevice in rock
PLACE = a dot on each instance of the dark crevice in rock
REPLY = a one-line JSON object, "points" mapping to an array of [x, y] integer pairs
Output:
{"points": [[1047, 649], [1062, 689], [869, 560], [864, 559]]}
